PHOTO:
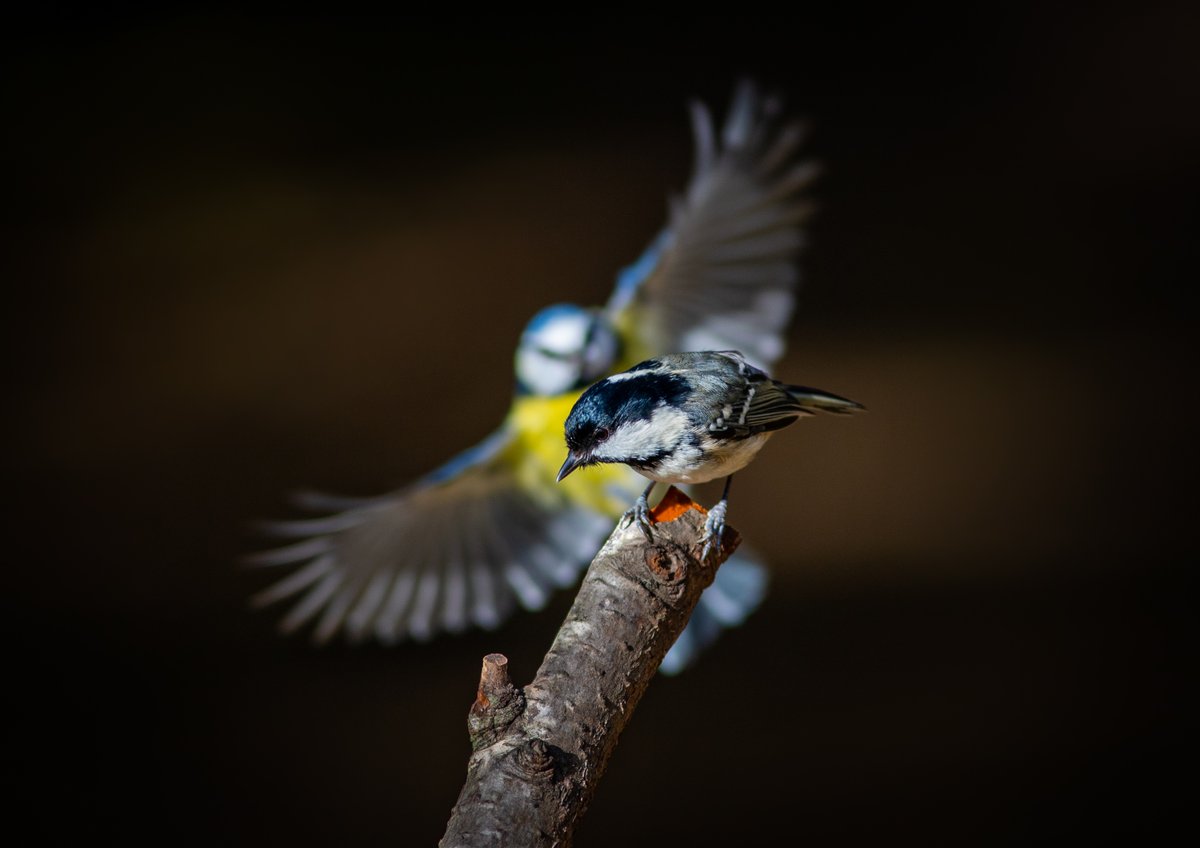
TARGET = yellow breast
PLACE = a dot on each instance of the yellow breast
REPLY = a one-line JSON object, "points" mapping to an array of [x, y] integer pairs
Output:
{"points": [[539, 450]]}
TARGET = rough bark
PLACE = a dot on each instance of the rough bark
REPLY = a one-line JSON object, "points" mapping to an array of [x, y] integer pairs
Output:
{"points": [[539, 752]]}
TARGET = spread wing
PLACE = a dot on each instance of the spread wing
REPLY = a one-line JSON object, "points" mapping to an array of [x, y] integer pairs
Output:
{"points": [[464, 545], [489, 530], [722, 274]]}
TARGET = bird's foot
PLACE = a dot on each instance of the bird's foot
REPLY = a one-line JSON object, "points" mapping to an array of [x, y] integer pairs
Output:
{"points": [[714, 528], [639, 514]]}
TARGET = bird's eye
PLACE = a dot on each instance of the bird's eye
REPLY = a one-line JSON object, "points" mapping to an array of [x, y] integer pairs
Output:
{"points": [[602, 433], [556, 355]]}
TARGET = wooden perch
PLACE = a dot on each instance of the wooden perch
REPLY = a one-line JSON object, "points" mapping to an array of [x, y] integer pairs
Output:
{"points": [[539, 752]]}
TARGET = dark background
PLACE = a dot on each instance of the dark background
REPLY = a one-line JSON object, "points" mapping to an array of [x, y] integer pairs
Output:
{"points": [[255, 253]]}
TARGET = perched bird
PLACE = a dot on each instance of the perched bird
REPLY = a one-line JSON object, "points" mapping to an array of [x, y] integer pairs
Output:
{"points": [[490, 529], [686, 418]]}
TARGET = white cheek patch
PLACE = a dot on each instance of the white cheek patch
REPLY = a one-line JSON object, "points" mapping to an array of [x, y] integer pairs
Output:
{"points": [[543, 375], [666, 428], [565, 335]]}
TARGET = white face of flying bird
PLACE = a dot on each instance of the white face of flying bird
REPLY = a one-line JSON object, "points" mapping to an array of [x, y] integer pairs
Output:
{"points": [[564, 348]]}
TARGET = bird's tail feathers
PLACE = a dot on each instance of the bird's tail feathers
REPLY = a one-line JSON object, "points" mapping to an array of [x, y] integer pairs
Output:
{"points": [[816, 400]]}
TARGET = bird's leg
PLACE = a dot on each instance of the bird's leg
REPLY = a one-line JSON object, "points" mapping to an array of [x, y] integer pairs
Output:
{"points": [[640, 513], [714, 525]]}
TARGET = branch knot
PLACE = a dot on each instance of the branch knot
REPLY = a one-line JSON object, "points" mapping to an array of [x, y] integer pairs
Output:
{"points": [[666, 564], [497, 703], [536, 758]]}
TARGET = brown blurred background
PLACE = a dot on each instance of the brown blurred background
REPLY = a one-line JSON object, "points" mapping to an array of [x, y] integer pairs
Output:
{"points": [[256, 253]]}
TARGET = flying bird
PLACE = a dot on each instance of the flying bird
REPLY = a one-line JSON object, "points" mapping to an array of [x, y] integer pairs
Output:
{"points": [[490, 529]]}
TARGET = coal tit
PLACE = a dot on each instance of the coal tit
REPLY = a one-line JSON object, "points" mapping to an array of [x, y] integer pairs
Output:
{"points": [[686, 418]]}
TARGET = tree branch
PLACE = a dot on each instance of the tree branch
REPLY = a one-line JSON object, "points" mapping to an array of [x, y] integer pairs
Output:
{"points": [[539, 752]]}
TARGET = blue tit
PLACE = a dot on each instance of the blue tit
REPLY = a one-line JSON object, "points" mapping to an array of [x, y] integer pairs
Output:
{"points": [[686, 418], [490, 529]]}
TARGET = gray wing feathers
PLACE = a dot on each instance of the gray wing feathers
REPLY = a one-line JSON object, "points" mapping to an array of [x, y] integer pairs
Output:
{"points": [[702, 134], [772, 403], [297, 581], [728, 277], [358, 622], [434, 557], [312, 602]]}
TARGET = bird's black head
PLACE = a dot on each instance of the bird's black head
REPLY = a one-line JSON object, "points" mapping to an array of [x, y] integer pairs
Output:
{"points": [[629, 417]]}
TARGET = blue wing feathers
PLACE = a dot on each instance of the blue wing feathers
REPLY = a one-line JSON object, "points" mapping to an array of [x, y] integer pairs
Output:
{"points": [[631, 277]]}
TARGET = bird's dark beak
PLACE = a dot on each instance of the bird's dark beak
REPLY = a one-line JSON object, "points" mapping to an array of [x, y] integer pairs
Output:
{"points": [[574, 460]]}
